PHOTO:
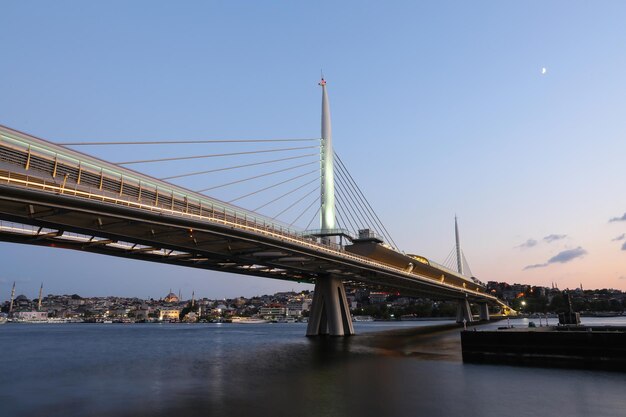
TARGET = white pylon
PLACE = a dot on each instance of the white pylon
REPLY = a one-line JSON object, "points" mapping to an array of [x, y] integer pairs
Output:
{"points": [[327, 200], [459, 259]]}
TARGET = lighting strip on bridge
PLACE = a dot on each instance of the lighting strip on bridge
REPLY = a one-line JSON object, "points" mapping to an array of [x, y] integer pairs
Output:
{"points": [[46, 149], [278, 236]]}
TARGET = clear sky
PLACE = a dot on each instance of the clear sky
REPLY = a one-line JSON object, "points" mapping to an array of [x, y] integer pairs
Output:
{"points": [[438, 108]]}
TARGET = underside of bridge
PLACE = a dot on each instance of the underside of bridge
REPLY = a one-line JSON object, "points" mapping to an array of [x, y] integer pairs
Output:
{"points": [[60, 221]]}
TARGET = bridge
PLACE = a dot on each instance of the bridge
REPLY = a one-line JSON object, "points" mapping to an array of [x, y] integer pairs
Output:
{"points": [[52, 195]]}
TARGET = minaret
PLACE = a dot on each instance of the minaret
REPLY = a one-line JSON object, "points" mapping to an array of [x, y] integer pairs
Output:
{"points": [[193, 296], [40, 294], [12, 298], [459, 260], [327, 200], [180, 296]]}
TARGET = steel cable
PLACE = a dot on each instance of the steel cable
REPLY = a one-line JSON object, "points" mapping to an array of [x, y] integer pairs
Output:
{"points": [[295, 203], [256, 177], [217, 155], [272, 186], [305, 210], [385, 231], [286, 194], [178, 142], [238, 166]]}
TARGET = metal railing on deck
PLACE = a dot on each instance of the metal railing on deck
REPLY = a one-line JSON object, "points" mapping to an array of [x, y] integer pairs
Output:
{"points": [[67, 166], [113, 181]]}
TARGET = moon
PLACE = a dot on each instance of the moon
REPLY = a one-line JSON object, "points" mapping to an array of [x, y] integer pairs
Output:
{"points": [[544, 70]]}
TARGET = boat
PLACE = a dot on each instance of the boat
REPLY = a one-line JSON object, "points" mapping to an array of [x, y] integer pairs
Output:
{"points": [[248, 320], [362, 318], [285, 320]]}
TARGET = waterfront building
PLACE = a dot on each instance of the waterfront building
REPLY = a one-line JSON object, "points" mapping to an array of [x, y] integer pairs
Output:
{"points": [[296, 308], [119, 312], [377, 297], [169, 314], [30, 316], [273, 312], [21, 302]]}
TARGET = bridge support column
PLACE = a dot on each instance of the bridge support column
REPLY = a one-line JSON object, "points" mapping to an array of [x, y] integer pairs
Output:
{"points": [[463, 312], [484, 311], [330, 313]]}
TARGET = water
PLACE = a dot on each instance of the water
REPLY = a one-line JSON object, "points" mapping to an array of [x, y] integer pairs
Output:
{"points": [[272, 369]]}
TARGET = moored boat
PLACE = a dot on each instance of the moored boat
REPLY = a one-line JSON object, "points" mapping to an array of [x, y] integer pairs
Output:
{"points": [[248, 320]]}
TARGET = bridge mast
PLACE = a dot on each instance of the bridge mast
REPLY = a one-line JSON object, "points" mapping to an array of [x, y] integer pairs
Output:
{"points": [[459, 259], [330, 312], [327, 217]]}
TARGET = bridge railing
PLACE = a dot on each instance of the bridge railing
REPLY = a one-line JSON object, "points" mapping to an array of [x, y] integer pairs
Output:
{"points": [[35, 182], [71, 168], [86, 179]]}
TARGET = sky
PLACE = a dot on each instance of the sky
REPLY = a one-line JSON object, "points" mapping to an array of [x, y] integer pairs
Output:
{"points": [[509, 115]]}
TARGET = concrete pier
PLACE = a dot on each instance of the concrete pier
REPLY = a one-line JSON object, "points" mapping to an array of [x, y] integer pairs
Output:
{"points": [[330, 313], [484, 311], [463, 312]]}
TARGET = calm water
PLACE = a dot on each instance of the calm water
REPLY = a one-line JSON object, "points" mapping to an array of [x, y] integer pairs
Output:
{"points": [[272, 369]]}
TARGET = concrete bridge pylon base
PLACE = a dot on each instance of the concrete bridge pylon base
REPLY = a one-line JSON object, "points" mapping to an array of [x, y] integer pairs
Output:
{"points": [[484, 311], [330, 313], [463, 312]]}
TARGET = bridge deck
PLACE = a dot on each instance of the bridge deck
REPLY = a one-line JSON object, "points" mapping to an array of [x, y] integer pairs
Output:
{"points": [[78, 202]]}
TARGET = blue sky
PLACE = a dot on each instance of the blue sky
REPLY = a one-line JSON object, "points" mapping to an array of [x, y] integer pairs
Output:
{"points": [[439, 108]]}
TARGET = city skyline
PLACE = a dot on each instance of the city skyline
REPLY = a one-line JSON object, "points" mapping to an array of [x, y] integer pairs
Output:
{"points": [[505, 115]]}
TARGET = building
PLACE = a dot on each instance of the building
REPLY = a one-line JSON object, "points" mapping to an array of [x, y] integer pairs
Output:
{"points": [[171, 298], [378, 297], [30, 316], [273, 312], [169, 314]]}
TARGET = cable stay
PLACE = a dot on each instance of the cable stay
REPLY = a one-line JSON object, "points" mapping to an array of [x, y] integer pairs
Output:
{"points": [[466, 268], [313, 218], [181, 142], [239, 166], [339, 221], [286, 194], [343, 184], [341, 210], [296, 202], [384, 230], [365, 220], [450, 261], [217, 155], [343, 171], [305, 210], [349, 212], [363, 199], [358, 211], [273, 186], [357, 207], [257, 176]]}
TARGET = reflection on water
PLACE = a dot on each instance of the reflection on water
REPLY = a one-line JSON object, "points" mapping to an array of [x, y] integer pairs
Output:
{"points": [[241, 370]]}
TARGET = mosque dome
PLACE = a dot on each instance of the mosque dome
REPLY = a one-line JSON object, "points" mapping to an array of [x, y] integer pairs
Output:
{"points": [[171, 298]]}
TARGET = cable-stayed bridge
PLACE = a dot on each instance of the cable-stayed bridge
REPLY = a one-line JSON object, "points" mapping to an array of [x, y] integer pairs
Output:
{"points": [[53, 195]]}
